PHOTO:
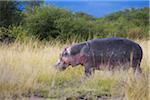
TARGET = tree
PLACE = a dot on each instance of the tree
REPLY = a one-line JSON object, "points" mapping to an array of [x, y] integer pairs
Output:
{"points": [[9, 13], [84, 15], [42, 24], [30, 6]]}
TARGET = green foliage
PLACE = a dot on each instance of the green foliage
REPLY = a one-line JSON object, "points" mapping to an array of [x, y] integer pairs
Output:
{"points": [[131, 23], [31, 5], [48, 23], [53, 23], [41, 23], [84, 15], [19, 33], [77, 28], [12, 34], [6, 36], [9, 13]]}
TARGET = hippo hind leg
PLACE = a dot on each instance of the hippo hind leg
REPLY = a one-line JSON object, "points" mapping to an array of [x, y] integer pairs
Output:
{"points": [[136, 66]]}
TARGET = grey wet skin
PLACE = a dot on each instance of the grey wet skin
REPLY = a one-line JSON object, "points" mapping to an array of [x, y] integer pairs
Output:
{"points": [[115, 53]]}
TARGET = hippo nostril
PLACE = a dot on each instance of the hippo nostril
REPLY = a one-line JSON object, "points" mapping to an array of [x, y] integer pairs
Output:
{"points": [[63, 68]]}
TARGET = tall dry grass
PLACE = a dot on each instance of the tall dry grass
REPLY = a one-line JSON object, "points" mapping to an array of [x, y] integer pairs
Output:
{"points": [[26, 70]]}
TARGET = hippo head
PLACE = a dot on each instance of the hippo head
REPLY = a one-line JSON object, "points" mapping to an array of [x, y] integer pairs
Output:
{"points": [[70, 56]]}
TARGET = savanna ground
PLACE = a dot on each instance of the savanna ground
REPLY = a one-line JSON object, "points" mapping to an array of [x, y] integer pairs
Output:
{"points": [[27, 72]]}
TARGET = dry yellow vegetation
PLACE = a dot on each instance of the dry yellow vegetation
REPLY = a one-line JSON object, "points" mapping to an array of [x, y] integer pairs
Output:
{"points": [[26, 71]]}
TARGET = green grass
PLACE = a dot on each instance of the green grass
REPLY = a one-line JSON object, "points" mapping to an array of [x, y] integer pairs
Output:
{"points": [[26, 70]]}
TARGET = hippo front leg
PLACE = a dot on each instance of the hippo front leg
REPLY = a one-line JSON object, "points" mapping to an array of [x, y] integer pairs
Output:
{"points": [[88, 71]]}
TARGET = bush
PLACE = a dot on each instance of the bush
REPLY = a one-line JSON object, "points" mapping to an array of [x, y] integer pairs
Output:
{"points": [[6, 36], [19, 33], [49, 23], [75, 28], [41, 23], [9, 13], [12, 34]]}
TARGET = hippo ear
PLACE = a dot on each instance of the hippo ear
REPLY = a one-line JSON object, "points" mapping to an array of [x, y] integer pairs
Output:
{"points": [[68, 50]]}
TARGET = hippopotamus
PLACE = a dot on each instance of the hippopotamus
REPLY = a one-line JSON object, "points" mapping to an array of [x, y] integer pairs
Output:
{"points": [[109, 53]]}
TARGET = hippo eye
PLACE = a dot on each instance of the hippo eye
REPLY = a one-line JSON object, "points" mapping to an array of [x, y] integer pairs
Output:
{"points": [[64, 54]]}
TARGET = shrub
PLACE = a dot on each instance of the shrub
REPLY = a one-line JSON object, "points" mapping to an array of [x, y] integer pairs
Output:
{"points": [[19, 33], [41, 23], [6, 36], [12, 34]]}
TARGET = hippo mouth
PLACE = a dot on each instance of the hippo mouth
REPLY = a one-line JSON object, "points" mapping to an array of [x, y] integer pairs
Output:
{"points": [[61, 67]]}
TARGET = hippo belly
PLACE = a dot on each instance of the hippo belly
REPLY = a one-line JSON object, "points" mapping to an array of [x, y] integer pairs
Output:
{"points": [[111, 59]]}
